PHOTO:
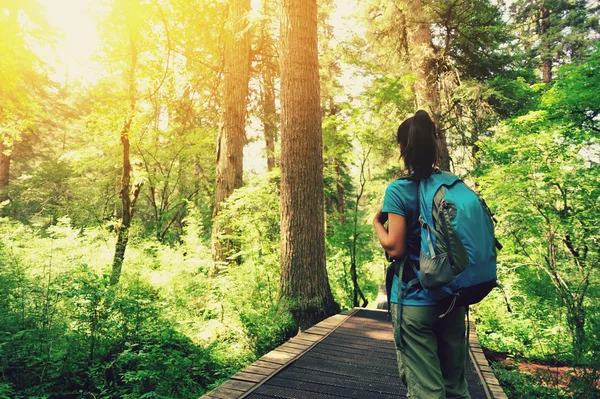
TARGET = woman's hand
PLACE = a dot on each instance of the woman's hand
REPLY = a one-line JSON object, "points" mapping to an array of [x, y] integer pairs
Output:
{"points": [[380, 217]]}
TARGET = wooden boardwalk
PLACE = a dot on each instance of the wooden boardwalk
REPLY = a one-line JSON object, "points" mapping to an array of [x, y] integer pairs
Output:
{"points": [[350, 355]]}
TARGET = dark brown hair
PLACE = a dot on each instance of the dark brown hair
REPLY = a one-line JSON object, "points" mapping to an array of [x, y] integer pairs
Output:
{"points": [[418, 144]]}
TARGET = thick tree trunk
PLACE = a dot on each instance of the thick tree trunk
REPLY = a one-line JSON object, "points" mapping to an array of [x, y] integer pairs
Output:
{"points": [[424, 63], [304, 281], [232, 134], [4, 171], [444, 152]]}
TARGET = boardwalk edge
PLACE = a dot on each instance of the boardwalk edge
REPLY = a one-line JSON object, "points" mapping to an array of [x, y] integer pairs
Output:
{"points": [[252, 377], [490, 383]]}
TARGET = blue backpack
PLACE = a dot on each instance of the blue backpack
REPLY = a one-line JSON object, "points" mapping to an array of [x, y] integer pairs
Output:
{"points": [[458, 247]]}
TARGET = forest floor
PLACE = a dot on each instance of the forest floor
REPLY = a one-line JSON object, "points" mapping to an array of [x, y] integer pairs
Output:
{"points": [[557, 374]]}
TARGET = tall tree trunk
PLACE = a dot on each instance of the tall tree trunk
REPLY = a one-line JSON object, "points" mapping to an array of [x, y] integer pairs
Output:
{"points": [[128, 199], [4, 171], [546, 56], [341, 192], [424, 63], [356, 291], [269, 111], [304, 282], [232, 134], [269, 116]]}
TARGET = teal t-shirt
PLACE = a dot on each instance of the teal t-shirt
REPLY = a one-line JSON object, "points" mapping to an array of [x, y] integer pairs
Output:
{"points": [[401, 198]]}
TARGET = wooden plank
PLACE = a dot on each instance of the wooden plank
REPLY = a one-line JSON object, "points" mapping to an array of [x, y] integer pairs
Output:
{"points": [[497, 392], [264, 364], [237, 385], [316, 332], [223, 393], [245, 376], [311, 340], [305, 337], [287, 349], [276, 356], [253, 376], [480, 357], [293, 348], [319, 328], [483, 367], [258, 370], [297, 345], [489, 381], [327, 324]]}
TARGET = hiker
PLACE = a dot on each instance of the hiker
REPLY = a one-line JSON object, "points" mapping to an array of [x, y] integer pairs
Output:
{"points": [[431, 345]]}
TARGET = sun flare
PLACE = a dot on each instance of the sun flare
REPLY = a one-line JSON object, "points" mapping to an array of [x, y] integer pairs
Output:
{"points": [[78, 39]]}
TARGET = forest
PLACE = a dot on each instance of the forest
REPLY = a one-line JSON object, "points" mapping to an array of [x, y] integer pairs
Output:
{"points": [[185, 184]]}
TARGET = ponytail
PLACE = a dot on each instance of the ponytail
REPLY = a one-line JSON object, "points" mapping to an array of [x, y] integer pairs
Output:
{"points": [[418, 144]]}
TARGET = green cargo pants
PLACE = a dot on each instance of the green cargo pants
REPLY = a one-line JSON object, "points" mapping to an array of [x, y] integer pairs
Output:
{"points": [[432, 351]]}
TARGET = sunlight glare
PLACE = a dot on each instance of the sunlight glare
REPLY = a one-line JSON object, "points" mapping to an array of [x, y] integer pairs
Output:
{"points": [[78, 39]]}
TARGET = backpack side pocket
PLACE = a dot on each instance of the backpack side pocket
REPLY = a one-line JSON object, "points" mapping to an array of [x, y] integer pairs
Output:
{"points": [[435, 271]]}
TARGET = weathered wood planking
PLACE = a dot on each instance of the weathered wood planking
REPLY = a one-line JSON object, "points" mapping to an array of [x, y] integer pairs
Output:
{"points": [[265, 369], [490, 383], [250, 378]]}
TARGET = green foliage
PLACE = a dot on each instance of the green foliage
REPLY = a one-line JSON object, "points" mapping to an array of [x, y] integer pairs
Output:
{"points": [[25, 86], [339, 248], [251, 217], [512, 97], [163, 332], [519, 385], [534, 329], [556, 30], [573, 100], [540, 174]]}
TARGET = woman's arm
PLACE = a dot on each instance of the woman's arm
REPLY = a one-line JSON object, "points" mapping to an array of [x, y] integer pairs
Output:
{"points": [[393, 240]]}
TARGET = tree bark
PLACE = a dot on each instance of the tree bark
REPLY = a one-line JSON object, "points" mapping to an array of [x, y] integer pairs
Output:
{"points": [[128, 199], [576, 322], [269, 116], [232, 134], [546, 56], [304, 282], [425, 64], [341, 192], [356, 291], [268, 73], [4, 171]]}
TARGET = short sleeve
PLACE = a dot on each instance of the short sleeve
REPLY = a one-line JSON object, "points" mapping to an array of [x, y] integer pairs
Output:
{"points": [[393, 200]]}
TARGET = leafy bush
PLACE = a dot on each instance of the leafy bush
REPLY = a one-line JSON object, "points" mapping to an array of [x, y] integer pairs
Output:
{"points": [[163, 332], [519, 385]]}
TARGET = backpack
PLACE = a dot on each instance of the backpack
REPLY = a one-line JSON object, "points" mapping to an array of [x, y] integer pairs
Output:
{"points": [[458, 247]]}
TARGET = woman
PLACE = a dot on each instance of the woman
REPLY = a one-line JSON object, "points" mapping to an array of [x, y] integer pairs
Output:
{"points": [[431, 350]]}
